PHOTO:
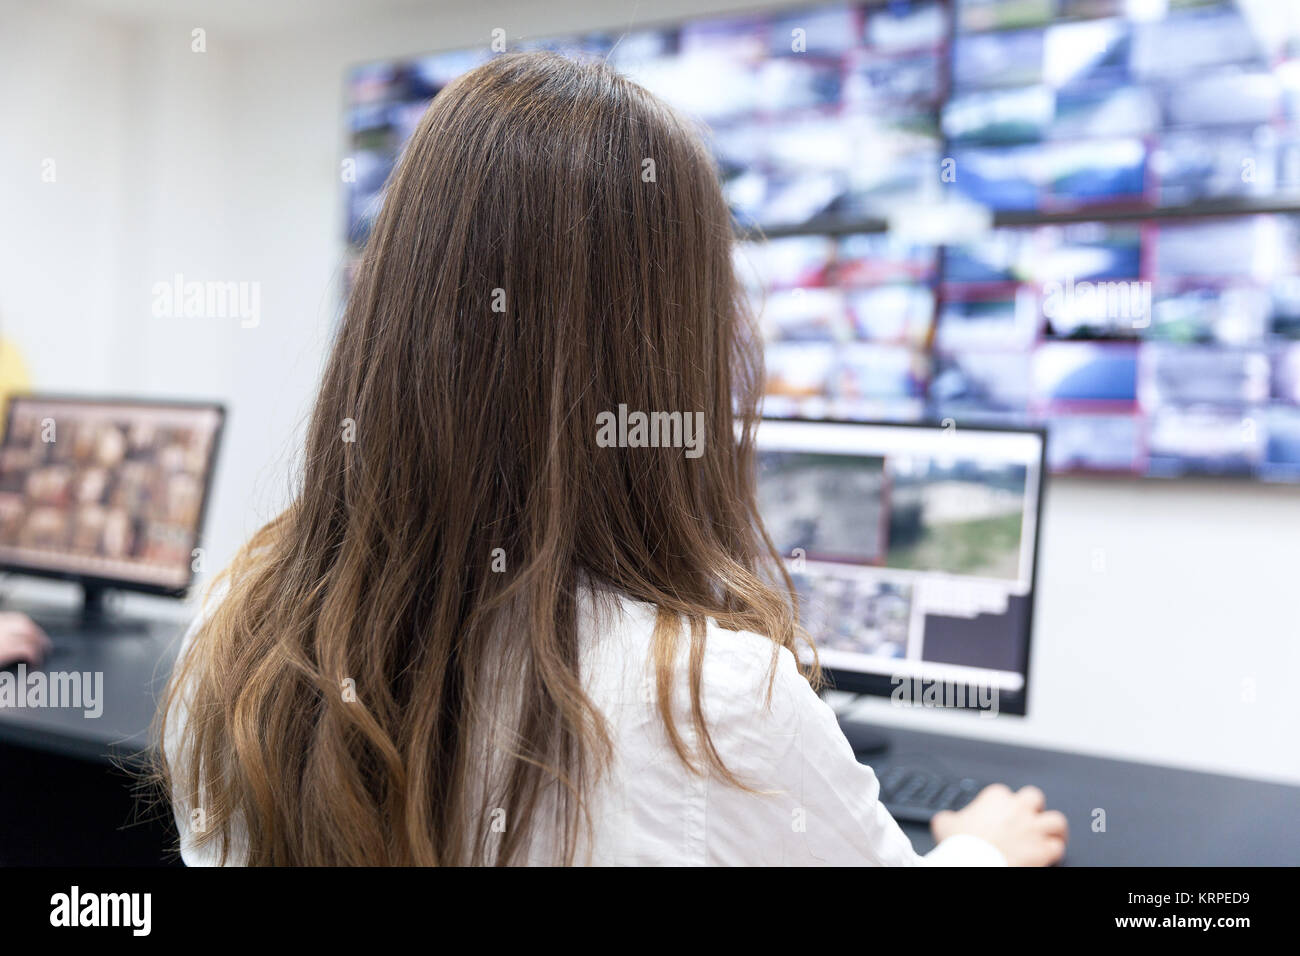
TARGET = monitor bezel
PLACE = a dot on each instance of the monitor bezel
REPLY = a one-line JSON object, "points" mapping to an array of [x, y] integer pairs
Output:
{"points": [[882, 685], [101, 581]]}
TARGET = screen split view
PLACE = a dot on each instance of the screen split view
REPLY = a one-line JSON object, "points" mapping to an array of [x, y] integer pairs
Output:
{"points": [[107, 490], [912, 548]]}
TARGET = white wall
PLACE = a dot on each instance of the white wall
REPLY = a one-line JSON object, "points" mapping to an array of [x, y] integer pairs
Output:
{"points": [[62, 100], [1182, 651]]}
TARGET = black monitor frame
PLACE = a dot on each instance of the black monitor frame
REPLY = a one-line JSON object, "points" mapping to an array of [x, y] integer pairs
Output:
{"points": [[882, 685], [94, 586]]}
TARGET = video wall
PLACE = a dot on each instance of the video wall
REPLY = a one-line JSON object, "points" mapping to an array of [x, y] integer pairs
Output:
{"points": [[1138, 288]]}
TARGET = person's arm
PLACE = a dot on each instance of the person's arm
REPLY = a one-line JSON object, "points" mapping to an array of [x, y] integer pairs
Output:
{"points": [[21, 640], [824, 806]]}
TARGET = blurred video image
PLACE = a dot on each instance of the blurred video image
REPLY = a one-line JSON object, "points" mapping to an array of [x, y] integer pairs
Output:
{"points": [[1006, 321], [997, 59], [1204, 440], [1192, 167], [1097, 443], [799, 370], [870, 258], [906, 512], [1210, 313], [807, 315], [117, 491], [983, 386], [1189, 375], [893, 313], [880, 371], [862, 615], [1079, 372], [824, 507], [1281, 427], [959, 517]]}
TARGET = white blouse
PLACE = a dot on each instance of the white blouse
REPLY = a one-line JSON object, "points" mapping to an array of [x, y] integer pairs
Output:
{"points": [[811, 802]]}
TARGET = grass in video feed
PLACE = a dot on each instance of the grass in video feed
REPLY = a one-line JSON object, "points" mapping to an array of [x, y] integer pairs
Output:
{"points": [[958, 517], [829, 507]]}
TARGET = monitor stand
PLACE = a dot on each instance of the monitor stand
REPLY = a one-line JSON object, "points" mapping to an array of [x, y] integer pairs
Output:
{"points": [[95, 615]]}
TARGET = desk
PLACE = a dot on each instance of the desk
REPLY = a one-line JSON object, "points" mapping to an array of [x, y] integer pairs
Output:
{"points": [[1154, 815], [135, 665], [65, 797]]}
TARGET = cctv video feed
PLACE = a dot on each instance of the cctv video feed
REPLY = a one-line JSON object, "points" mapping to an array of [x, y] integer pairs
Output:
{"points": [[1161, 338], [911, 550], [107, 491]]}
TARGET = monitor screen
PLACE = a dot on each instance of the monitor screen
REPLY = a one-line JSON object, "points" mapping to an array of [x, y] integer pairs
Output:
{"points": [[107, 490], [912, 548], [1138, 288]]}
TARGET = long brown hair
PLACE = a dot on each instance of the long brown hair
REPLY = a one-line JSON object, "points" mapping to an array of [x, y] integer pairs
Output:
{"points": [[554, 244]]}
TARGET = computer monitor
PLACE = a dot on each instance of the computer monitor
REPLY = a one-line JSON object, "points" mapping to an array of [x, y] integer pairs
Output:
{"points": [[107, 492], [913, 551]]}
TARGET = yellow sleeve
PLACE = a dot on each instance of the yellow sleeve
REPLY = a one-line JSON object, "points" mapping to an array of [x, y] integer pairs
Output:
{"points": [[14, 377]]}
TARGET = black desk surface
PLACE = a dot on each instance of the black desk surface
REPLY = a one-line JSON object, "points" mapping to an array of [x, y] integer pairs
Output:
{"points": [[1154, 815], [135, 663]]}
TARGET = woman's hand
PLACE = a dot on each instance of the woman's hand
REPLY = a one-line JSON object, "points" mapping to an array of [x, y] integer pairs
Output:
{"points": [[21, 640], [1015, 823]]}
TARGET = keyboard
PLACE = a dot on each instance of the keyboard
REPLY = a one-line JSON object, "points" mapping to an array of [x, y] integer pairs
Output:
{"points": [[915, 794]]}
